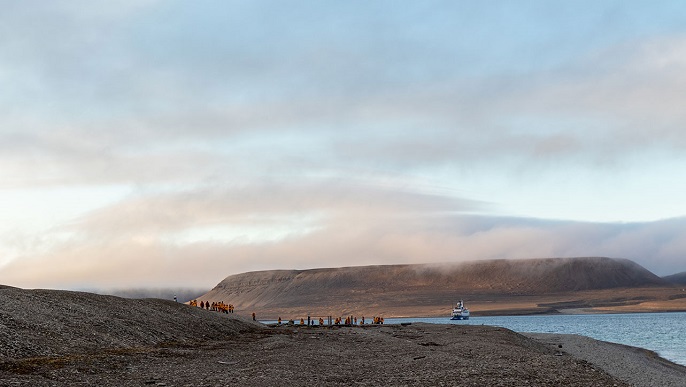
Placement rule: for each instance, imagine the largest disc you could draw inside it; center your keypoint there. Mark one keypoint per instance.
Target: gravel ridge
(36, 323)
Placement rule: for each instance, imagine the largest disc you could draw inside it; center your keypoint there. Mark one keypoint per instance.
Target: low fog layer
(180, 294)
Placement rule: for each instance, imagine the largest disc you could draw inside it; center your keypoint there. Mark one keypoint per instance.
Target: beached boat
(460, 312)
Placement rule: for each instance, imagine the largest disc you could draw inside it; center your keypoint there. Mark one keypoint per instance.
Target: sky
(150, 143)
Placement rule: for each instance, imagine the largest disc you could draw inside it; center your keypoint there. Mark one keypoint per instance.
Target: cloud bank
(199, 237)
(168, 143)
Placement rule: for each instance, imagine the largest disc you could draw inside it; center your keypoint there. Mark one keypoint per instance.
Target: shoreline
(637, 366)
(411, 304)
(565, 311)
(511, 313)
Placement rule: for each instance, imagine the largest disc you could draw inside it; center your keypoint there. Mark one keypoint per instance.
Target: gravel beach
(417, 355)
(57, 338)
(637, 366)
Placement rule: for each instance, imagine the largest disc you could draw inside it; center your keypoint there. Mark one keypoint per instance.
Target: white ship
(460, 312)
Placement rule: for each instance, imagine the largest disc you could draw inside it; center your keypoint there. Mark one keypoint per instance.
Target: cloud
(217, 228)
(139, 242)
(134, 263)
(259, 135)
(137, 95)
(267, 202)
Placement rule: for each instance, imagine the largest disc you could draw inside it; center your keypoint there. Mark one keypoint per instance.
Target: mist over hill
(394, 285)
(679, 278)
(182, 294)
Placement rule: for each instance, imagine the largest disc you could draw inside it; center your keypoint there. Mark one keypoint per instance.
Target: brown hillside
(384, 287)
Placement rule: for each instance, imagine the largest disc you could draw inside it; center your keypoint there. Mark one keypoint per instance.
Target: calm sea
(664, 333)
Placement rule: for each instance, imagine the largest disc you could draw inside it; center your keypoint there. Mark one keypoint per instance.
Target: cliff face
(420, 284)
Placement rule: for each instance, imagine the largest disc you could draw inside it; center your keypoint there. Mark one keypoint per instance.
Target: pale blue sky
(194, 140)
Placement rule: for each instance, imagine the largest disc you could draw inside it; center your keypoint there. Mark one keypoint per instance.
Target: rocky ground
(51, 338)
(39, 323)
(419, 354)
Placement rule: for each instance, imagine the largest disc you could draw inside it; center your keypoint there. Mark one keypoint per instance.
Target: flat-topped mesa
(428, 282)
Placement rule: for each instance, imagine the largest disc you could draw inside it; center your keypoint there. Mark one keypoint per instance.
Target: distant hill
(367, 287)
(678, 279)
(182, 294)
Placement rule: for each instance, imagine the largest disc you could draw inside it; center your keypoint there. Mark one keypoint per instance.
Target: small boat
(460, 312)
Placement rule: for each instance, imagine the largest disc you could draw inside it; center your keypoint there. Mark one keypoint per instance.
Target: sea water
(664, 333)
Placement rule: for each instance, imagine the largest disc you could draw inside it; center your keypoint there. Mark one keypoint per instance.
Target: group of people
(228, 308)
(349, 320)
(214, 306)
